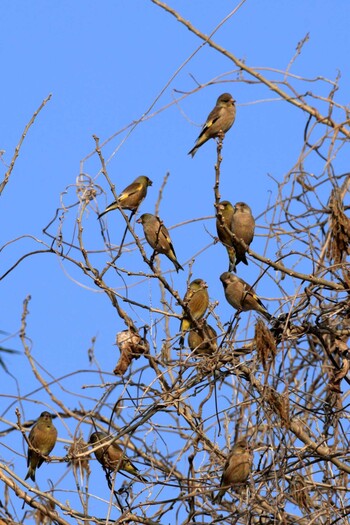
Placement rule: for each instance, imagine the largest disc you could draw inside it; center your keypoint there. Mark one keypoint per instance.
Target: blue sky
(104, 64)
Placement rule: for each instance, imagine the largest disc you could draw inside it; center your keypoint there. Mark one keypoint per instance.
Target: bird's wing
(133, 188)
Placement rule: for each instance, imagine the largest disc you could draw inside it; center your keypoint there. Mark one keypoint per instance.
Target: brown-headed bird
(237, 468)
(205, 344)
(243, 226)
(219, 120)
(241, 295)
(224, 216)
(131, 197)
(197, 300)
(112, 456)
(42, 437)
(158, 237)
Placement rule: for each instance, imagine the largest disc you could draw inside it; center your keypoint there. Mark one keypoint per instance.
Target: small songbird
(203, 345)
(197, 300)
(42, 437)
(241, 295)
(131, 197)
(226, 210)
(158, 237)
(219, 120)
(243, 226)
(112, 456)
(237, 468)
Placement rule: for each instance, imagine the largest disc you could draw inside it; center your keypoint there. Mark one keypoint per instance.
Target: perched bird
(243, 226)
(219, 120)
(42, 437)
(226, 211)
(241, 295)
(203, 345)
(197, 300)
(237, 467)
(112, 456)
(158, 237)
(131, 197)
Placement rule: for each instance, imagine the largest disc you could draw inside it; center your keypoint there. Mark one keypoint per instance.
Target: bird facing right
(237, 468)
(131, 197)
(219, 120)
(241, 295)
(43, 436)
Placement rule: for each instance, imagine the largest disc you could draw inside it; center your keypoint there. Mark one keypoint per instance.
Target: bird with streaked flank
(111, 455)
(197, 300)
(42, 437)
(237, 468)
(131, 197)
(219, 121)
(241, 295)
(158, 237)
(243, 226)
(205, 344)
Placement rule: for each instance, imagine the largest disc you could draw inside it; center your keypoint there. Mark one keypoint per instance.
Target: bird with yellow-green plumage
(42, 439)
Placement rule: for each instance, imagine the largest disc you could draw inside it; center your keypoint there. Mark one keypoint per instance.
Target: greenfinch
(237, 468)
(226, 211)
(219, 121)
(203, 345)
(243, 226)
(158, 237)
(42, 437)
(131, 197)
(197, 300)
(112, 456)
(241, 295)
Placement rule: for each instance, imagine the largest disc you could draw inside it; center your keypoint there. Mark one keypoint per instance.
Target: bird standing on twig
(237, 468)
(219, 121)
(111, 455)
(42, 437)
(131, 197)
(158, 237)
(241, 295)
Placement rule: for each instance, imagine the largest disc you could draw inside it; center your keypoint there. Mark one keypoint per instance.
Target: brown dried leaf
(131, 346)
(299, 491)
(334, 385)
(339, 245)
(78, 447)
(265, 344)
(41, 518)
